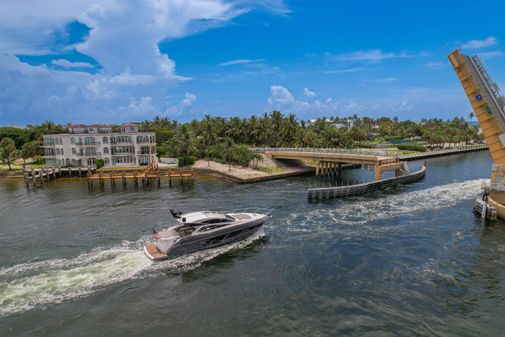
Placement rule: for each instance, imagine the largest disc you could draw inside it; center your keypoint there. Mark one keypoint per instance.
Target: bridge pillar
(318, 168)
(377, 172)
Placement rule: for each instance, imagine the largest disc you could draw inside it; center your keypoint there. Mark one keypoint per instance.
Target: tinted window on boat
(234, 234)
(215, 240)
(212, 221)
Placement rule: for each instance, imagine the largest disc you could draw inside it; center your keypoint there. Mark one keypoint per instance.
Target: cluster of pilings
(37, 177)
(328, 169)
(146, 178)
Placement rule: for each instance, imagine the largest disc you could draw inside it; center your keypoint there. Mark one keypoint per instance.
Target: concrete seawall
(441, 153)
(344, 191)
(218, 173)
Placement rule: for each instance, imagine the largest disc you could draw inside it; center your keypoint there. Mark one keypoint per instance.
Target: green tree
(8, 152)
(209, 135)
(29, 150)
(229, 144)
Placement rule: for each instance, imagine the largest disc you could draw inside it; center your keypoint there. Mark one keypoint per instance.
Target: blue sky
(115, 61)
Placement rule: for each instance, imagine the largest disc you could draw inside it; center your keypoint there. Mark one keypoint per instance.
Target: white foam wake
(366, 209)
(27, 285)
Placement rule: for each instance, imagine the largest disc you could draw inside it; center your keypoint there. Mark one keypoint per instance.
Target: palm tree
(229, 145)
(209, 135)
(184, 141)
(471, 115)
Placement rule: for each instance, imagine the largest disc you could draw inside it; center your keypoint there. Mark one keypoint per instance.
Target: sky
(114, 61)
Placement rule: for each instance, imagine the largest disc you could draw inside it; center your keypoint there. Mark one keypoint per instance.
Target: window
(105, 140)
(106, 150)
(106, 161)
(72, 140)
(74, 151)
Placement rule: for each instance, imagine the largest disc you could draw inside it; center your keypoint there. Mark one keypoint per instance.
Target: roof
(77, 126)
(129, 124)
(100, 125)
(200, 216)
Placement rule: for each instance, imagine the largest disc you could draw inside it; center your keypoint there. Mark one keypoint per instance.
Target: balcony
(87, 143)
(96, 154)
(117, 154)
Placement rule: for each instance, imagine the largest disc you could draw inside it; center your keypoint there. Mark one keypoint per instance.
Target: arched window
(106, 161)
(106, 150)
(105, 140)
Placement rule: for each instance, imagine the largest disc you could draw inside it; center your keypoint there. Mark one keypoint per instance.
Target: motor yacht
(202, 230)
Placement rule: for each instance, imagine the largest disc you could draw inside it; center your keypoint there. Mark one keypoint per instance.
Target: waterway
(413, 260)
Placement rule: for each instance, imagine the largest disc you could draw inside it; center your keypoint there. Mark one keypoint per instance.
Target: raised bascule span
(489, 107)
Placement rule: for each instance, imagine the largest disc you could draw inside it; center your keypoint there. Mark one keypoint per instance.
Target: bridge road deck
(329, 163)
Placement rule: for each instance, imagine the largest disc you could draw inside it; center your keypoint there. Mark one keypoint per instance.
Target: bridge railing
(323, 150)
(364, 151)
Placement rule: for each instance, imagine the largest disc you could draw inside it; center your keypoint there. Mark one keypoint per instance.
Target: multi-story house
(84, 144)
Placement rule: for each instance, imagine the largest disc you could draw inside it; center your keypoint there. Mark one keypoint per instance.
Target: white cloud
(185, 104)
(123, 39)
(343, 71)
(374, 55)
(280, 95)
(68, 64)
(188, 100)
(436, 65)
(142, 107)
(490, 54)
(239, 61)
(308, 93)
(382, 80)
(478, 44)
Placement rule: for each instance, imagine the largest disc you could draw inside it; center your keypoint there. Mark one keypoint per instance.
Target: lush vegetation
(228, 140)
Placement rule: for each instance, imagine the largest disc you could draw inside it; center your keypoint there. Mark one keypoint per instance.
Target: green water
(413, 260)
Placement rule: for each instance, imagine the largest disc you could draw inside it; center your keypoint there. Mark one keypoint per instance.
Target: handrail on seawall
(358, 189)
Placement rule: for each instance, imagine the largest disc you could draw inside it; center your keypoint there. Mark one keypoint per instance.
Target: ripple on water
(27, 285)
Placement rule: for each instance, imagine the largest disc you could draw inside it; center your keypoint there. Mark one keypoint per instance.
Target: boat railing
(260, 210)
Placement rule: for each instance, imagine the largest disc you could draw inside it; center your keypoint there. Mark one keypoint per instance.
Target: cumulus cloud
(68, 64)
(280, 95)
(124, 39)
(141, 107)
(478, 44)
(308, 93)
(184, 105)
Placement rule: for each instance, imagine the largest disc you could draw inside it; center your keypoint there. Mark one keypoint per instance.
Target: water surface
(412, 260)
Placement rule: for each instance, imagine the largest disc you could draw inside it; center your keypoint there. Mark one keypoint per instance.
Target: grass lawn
(270, 169)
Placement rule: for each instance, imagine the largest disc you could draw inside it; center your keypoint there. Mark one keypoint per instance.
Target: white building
(84, 144)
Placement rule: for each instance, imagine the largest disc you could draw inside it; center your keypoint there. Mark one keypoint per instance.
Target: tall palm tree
(209, 135)
(184, 141)
(229, 145)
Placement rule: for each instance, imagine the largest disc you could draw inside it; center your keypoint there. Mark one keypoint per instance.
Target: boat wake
(362, 210)
(27, 285)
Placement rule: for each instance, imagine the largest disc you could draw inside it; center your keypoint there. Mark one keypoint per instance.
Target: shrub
(99, 163)
(39, 160)
(411, 147)
(186, 161)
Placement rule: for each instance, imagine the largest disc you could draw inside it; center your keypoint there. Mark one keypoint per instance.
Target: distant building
(84, 144)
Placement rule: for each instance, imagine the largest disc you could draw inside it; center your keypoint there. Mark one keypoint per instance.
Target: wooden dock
(152, 175)
(37, 177)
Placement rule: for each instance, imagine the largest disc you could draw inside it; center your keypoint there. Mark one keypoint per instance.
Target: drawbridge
(489, 108)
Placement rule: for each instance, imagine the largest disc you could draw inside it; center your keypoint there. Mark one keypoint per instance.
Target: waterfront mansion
(83, 145)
